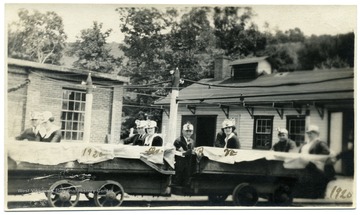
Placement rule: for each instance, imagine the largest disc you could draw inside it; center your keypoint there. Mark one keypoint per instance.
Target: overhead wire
(273, 85)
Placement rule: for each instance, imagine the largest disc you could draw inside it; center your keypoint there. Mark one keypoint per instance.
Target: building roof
(321, 85)
(247, 60)
(55, 68)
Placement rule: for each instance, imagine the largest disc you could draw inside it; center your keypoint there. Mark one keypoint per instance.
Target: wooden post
(173, 108)
(88, 109)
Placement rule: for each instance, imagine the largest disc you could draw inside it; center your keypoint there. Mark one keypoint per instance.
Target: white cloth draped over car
(53, 154)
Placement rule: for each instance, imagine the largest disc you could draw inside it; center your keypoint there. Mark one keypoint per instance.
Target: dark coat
(319, 148)
(136, 140)
(27, 134)
(220, 139)
(233, 143)
(156, 141)
(284, 146)
(180, 142)
(54, 137)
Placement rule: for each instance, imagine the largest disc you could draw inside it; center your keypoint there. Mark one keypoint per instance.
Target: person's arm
(57, 137)
(292, 146)
(323, 148)
(22, 136)
(129, 140)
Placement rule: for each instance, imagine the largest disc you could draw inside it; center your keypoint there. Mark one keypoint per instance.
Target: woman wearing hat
(152, 138)
(48, 132)
(315, 145)
(231, 140)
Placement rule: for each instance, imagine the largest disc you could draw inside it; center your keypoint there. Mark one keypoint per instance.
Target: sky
(311, 19)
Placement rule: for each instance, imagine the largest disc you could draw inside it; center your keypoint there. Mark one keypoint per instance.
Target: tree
(92, 53)
(326, 51)
(38, 37)
(145, 46)
(283, 57)
(193, 44)
(144, 43)
(235, 34)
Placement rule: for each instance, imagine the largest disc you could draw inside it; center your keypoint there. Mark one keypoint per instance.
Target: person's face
(187, 133)
(283, 137)
(140, 130)
(228, 130)
(151, 130)
(34, 122)
(312, 135)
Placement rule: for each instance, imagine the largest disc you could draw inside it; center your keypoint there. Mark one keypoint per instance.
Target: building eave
(55, 68)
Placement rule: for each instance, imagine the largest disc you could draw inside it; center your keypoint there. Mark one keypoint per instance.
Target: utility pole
(88, 109)
(173, 106)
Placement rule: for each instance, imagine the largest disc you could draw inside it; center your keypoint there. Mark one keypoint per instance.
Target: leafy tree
(92, 53)
(145, 47)
(283, 57)
(235, 34)
(327, 51)
(144, 43)
(193, 44)
(38, 37)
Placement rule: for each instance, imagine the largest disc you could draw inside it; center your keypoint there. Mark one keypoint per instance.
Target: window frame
(73, 114)
(269, 134)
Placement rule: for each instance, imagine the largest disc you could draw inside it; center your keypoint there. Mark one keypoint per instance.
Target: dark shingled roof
(318, 85)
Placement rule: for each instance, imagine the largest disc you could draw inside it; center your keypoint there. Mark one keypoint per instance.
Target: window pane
(68, 136)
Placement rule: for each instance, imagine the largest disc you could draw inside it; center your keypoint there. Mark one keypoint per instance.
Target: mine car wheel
(217, 198)
(282, 196)
(110, 194)
(63, 194)
(245, 195)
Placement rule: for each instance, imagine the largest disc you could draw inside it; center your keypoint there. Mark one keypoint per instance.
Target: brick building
(41, 87)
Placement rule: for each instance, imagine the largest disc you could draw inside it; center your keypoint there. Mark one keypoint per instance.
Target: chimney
(222, 69)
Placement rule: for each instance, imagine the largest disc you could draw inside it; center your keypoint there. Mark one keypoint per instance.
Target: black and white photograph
(143, 106)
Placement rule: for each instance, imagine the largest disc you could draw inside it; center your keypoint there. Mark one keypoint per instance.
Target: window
(72, 114)
(296, 128)
(244, 71)
(263, 126)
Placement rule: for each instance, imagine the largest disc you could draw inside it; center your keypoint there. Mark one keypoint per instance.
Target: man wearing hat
(285, 144)
(30, 133)
(152, 138)
(315, 145)
(139, 138)
(184, 144)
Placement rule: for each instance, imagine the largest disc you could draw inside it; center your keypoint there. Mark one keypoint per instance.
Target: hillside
(67, 61)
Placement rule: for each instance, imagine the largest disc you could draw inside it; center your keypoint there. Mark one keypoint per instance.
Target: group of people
(42, 128)
(226, 138)
(314, 145)
(146, 134)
